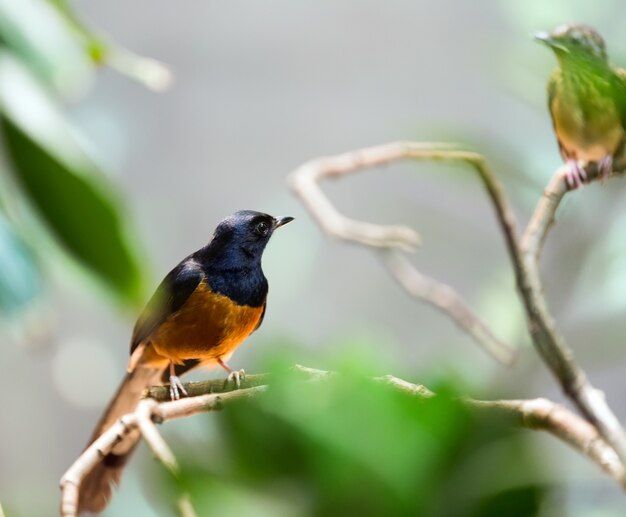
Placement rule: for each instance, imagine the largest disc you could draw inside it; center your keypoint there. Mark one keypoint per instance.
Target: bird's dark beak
(547, 39)
(281, 221)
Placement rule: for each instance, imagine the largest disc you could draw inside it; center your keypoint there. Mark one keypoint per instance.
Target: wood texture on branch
(550, 345)
(537, 414)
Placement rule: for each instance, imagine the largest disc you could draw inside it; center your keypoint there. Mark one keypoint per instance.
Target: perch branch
(548, 342)
(547, 339)
(538, 414)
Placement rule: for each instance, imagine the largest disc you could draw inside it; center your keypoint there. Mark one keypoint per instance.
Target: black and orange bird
(587, 101)
(200, 313)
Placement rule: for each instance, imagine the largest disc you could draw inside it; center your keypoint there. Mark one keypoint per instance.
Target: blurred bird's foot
(233, 376)
(605, 168)
(175, 387)
(236, 376)
(575, 174)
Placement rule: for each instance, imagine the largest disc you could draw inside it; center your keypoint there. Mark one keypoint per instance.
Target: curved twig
(304, 182)
(450, 302)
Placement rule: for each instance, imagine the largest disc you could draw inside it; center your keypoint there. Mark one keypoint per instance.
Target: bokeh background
(258, 88)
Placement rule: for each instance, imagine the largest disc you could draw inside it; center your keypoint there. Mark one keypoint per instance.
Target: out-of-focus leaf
(151, 73)
(346, 446)
(64, 184)
(19, 276)
(44, 39)
(522, 501)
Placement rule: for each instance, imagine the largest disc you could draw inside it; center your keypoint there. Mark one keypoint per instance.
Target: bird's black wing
(168, 298)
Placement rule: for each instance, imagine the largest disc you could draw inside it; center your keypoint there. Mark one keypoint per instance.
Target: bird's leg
(233, 375)
(575, 173)
(175, 384)
(605, 167)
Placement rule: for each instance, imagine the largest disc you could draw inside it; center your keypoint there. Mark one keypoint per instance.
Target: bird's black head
(241, 238)
(575, 42)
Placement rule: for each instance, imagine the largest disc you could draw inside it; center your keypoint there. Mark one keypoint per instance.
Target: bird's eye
(262, 228)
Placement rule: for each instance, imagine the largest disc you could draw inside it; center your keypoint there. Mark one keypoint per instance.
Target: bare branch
(304, 183)
(449, 301)
(145, 412)
(548, 342)
(538, 414)
(544, 415)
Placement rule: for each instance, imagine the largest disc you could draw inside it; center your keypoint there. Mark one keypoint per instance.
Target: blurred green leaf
(19, 277)
(64, 184)
(516, 502)
(46, 42)
(349, 446)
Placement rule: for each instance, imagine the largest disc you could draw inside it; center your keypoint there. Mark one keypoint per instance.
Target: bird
(587, 101)
(199, 314)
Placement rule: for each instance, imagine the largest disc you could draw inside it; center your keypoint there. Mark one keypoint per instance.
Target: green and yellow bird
(587, 101)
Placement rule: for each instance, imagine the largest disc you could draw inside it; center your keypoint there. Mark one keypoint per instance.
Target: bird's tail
(97, 486)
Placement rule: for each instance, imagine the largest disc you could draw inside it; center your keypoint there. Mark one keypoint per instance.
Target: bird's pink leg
(233, 375)
(175, 384)
(575, 174)
(605, 167)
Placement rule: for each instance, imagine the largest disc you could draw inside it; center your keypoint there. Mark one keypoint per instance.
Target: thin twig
(145, 412)
(544, 415)
(548, 342)
(304, 182)
(538, 414)
(449, 301)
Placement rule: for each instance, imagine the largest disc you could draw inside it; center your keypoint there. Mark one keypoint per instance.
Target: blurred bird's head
(575, 43)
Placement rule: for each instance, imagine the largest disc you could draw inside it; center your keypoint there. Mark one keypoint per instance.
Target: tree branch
(538, 414)
(548, 342)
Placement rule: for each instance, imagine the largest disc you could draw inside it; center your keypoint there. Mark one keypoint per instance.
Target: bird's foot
(175, 387)
(235, 376)
(605, 168)
(574, 174)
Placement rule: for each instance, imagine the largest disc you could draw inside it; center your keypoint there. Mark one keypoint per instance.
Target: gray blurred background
(261, 87)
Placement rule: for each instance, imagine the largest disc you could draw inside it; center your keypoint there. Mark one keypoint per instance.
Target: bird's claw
(175, 387)
(575, 174)
(236, 376)
(605, 168)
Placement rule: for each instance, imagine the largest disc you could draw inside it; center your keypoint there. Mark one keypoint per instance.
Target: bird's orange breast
(209, 326)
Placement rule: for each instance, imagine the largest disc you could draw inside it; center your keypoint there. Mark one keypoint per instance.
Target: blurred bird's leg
(175, 384)
(574, 173)
(605, 166)
(233, 375)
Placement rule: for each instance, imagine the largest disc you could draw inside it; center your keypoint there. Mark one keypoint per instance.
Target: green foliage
(44, 57)
(352, 446)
